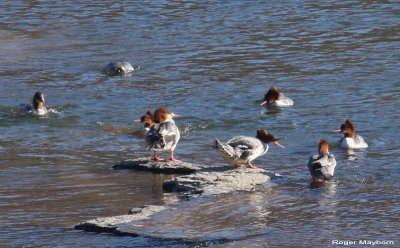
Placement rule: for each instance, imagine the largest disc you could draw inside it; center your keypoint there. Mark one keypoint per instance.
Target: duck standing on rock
(242, 149)
(275, 98)
(322, 165)
(164, 135)
(350, 140)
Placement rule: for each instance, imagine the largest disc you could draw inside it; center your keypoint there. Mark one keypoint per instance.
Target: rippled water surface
(210, 61)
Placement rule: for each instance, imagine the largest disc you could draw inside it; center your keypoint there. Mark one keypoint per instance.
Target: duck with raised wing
(243, 150)
(275, 98)
(322, 165)
(350, 140)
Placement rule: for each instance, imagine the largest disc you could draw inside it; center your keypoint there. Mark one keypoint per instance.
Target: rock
(215, 183)
(110, 224)
(167, 167)
(118, 68)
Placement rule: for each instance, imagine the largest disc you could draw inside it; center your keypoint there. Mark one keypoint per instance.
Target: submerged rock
(216, 183)
(118, 68)
(167, 167)
(111, 224)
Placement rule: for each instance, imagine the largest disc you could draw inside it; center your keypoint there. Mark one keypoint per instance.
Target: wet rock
(167, 167)
(118, 68)
(215, 183)
(111, 224)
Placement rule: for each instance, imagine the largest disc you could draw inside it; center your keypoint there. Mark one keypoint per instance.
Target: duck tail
(226, 150)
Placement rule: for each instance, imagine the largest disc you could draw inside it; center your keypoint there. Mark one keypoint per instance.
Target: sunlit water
(210, 61)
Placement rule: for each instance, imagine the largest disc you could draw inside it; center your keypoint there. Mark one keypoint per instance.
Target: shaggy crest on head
(147, 119)
(323, 147)
(348, 129)
(272, 95)
(266, 137)
(162, 114)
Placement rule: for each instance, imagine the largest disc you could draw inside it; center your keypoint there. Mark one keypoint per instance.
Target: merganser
(275, 98)
(322, 165)
(243, 149)
(350, 139)
(147, 119)
(38, 104)
(164, 135)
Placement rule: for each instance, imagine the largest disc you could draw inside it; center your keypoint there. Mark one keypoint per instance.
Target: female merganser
(275, 98)
(148, 120)
(322, 165)
(164, 135)
(38, 104)
(243, 149)
(350, 139)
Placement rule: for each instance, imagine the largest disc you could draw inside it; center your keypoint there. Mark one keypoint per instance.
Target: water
(209, 61)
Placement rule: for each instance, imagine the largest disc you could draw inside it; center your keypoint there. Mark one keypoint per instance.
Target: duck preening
(350, 140)
(275, 98)
(243, 150)
(322, 165)
(163, 134)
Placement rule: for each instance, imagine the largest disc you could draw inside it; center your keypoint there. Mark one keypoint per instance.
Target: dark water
(209, 61)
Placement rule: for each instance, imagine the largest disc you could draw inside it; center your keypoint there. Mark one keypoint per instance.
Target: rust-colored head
(147, 119)
(162, 114)
(323, 147)
(348, 129)
(271, 96)
(266, 137)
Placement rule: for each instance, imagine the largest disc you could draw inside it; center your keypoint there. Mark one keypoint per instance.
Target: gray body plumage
(118, 68)
(322, 167)
(163, 136)
(241, 149)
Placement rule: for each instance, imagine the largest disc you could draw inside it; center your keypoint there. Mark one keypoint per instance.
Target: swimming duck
(164, 135)
(322, 165)
(38, 104)
(243, 149)
(350, 140)
(275, 98)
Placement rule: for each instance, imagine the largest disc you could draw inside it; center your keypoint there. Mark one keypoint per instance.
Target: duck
(350, 140)
(147, 119)
(163, 135)
(322, 165)
(38, 105)
(243, 149)
(275, 98)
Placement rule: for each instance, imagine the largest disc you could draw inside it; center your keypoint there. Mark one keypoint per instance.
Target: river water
(209, 61)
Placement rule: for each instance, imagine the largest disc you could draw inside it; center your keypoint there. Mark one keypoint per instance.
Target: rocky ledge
(111, 224)
(216, 183)
(167, 166)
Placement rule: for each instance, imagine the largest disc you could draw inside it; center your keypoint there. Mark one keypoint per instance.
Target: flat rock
(167, 167)
(110, 224)
(216, 183)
